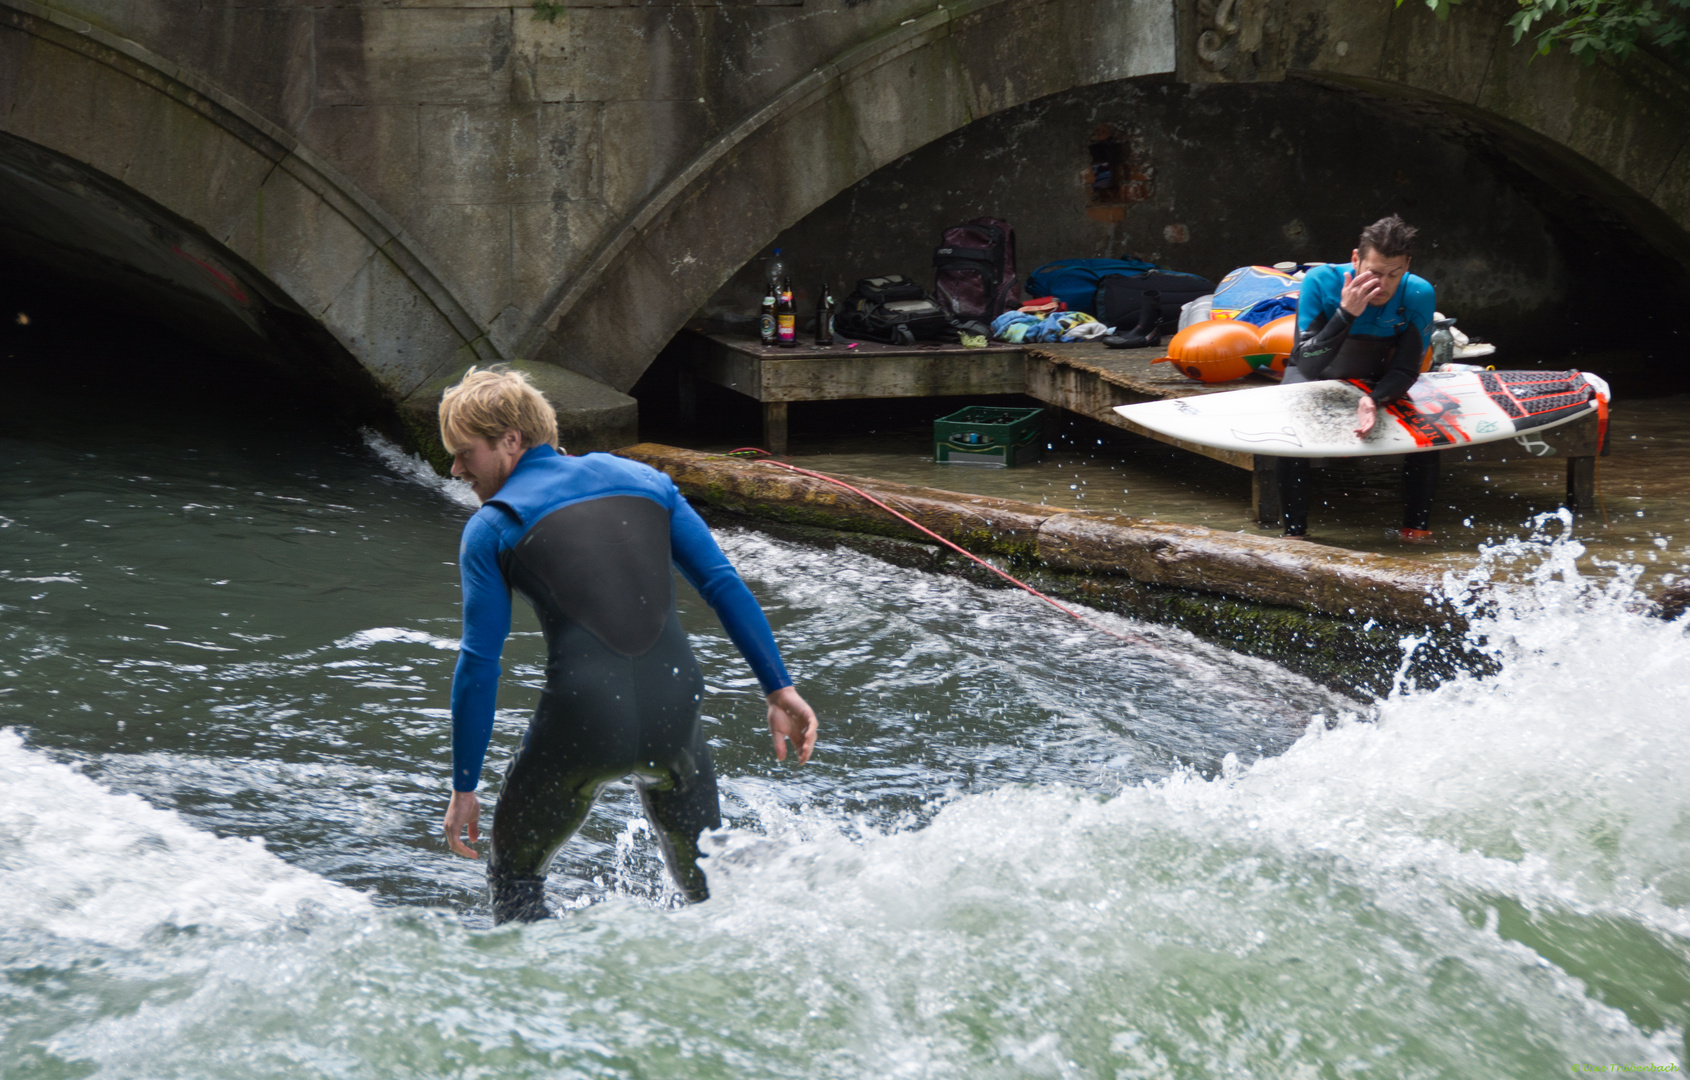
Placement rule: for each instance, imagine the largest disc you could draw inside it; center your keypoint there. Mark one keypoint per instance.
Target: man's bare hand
(1360, 288)
(791, 720)
(463, 812)
(1367, 413)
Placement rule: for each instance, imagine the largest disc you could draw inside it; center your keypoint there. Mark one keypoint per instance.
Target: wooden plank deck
(1085, 378)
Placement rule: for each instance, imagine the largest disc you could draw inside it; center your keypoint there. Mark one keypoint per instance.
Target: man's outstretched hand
(1367, 412)
(791, 720)
(464, 811)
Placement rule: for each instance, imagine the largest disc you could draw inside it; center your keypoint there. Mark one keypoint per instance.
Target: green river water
(1023, 848)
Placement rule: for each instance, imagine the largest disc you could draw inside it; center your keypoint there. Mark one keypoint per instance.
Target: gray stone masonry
(446, 182)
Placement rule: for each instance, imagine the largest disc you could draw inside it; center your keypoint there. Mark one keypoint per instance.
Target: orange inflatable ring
(1214, 350)
(1278, 337)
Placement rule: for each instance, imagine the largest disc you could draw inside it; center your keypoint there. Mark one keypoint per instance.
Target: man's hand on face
(1361, 287)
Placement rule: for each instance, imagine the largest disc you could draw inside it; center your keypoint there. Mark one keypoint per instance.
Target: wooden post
(774, 427)
(1265, 499)
(1581, 484)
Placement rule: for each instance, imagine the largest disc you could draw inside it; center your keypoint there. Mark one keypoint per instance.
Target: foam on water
(418, 471)
(84, 863)
(1485, 878)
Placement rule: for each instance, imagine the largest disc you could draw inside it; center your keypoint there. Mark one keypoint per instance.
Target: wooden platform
(1085, 378)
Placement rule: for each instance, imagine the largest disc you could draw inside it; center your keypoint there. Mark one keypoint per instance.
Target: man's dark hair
(1390, 237)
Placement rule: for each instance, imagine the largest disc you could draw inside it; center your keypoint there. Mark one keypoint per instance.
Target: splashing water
(1023, 850)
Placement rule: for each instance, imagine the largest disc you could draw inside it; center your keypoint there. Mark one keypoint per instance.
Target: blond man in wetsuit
(589, 542)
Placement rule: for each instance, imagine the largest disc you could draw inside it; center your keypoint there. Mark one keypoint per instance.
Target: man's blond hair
(486, 404)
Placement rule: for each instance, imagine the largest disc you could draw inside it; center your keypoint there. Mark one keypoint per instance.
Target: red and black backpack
(975, 270)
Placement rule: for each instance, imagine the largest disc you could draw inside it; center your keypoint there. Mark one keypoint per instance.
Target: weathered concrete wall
(443, 183)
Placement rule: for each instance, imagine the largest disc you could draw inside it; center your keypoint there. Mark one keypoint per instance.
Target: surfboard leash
(766, 458)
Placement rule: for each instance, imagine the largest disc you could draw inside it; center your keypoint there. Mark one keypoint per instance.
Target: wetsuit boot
(518, 899)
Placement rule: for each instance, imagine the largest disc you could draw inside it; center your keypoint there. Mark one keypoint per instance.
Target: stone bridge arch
(115, 153)
(654, 150)
(1615, 132)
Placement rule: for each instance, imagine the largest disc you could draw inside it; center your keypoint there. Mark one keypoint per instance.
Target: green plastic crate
(989, 435)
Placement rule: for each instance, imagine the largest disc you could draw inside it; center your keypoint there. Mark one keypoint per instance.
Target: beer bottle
(767, 331)
(786, 316)
(824, 316)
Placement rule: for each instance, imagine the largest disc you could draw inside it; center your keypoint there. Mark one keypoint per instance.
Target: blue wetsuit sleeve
(706, 569)
(475, 682)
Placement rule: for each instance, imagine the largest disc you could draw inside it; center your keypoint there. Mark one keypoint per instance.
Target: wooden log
(1267, 569)
(979, 523)
(1271, 570)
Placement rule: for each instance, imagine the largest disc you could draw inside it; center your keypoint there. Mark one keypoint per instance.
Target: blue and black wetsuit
(1383, 347)
(588, 542)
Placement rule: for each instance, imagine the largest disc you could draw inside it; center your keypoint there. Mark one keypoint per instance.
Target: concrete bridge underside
(435, 186)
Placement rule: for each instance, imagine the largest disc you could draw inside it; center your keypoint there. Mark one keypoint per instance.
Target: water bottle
(774, 272)
(1443, 343)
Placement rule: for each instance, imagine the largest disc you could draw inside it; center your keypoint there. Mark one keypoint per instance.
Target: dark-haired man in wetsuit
(588, 542)
(1366, 319)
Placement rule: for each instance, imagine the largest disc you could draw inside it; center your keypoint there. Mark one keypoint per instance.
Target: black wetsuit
(588, 542)
(1382, 347)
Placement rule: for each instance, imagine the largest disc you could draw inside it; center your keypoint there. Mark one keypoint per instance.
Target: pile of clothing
(1018, 327)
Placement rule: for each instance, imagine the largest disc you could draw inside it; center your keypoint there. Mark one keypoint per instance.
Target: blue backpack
(1075, 281)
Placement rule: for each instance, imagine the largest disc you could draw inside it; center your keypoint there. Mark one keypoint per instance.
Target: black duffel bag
(1120, 298)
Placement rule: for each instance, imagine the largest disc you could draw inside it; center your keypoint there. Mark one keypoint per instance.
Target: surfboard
(1317, 419)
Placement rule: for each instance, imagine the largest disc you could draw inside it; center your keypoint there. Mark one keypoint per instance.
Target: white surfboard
(1317, 419)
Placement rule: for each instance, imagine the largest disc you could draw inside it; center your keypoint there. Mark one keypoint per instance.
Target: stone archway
(866, 107)
(196, 189)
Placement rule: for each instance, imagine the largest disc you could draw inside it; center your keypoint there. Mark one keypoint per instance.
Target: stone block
(1015, 51)
(410, 55)
(470, 245)
(799, 161)
(623, 321)
(549, 243)
(616, 53)
(258, 54)
(298, 241)
(375, 147)
(644, 143)
(1447, 57)
(508, 153)
(907, 97)
(590, 415)
(393, 329)
(198, 169)
(83, 109)
(1630, 129)
(1323, 37)
(722, 219)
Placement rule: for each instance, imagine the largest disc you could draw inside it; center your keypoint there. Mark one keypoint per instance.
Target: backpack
(891, 309)
(1075, 281)
(1120, 298)
(975, 270)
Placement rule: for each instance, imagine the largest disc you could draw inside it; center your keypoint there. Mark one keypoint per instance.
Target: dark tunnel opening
(114, 312)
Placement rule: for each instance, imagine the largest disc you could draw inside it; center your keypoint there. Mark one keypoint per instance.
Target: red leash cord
(768, 459)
